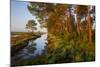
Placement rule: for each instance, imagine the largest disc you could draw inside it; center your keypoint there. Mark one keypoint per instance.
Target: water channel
(34, 47)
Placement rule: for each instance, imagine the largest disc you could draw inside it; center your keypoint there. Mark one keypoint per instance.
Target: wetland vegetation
(69, 35)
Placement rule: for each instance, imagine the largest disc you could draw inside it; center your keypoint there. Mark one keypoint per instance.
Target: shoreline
(21, 44)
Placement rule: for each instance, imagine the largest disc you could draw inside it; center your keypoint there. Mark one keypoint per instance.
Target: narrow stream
(40, 44)
(34, 47)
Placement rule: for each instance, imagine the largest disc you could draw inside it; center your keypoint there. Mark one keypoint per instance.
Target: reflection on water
(34, 47)
(40, 44)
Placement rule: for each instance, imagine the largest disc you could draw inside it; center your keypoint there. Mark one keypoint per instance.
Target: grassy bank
(20, 40)
(62, 48)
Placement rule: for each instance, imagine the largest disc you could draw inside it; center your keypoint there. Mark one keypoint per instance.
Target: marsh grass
(64, 49)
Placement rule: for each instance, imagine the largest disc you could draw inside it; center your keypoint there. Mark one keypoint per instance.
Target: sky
(19, 16)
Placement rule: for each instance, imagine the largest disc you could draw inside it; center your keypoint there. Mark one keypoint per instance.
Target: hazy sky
(19, 15)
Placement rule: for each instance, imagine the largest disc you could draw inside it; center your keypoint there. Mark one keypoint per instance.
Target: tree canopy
(31, 25)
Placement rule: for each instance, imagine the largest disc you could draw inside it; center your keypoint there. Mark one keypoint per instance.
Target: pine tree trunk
(89, 26)
(78, 25)
(68, 24)
(70, 29)
(78, 20)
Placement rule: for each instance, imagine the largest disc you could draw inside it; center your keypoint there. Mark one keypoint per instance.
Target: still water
(34, 47)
